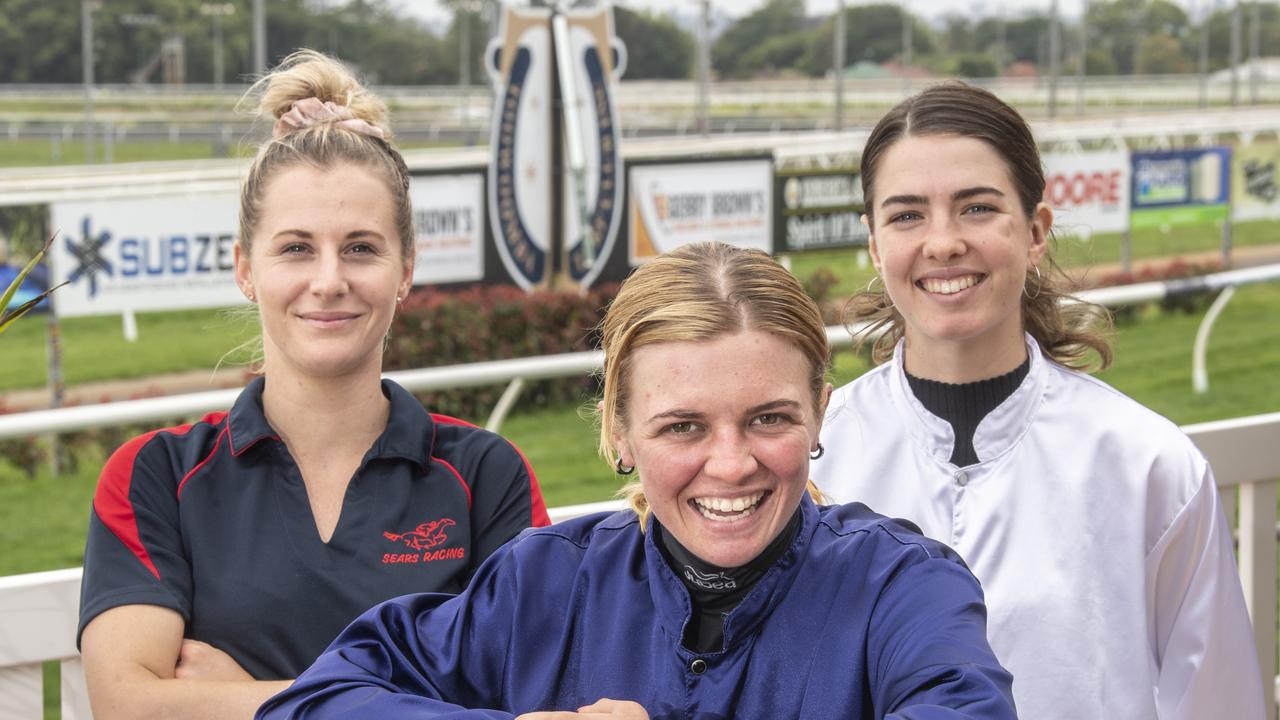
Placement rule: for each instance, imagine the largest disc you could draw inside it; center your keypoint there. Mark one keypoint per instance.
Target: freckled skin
(729, 417)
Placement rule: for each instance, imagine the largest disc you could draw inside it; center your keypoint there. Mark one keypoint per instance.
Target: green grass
(1153, 359)
(33, 153)
(1152, 242)
(94, 348)
(43, 523)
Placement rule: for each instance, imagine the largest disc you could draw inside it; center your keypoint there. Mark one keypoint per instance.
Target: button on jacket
(212, 520)
(1094, 526)
(859, 618)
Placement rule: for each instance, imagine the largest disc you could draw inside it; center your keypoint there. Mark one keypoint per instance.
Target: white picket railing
(39, 612)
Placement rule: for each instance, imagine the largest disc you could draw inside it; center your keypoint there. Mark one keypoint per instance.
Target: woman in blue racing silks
(725, 591)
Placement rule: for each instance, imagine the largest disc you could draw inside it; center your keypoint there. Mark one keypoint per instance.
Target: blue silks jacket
(859, 618)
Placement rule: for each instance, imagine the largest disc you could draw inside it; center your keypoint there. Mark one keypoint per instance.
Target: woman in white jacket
(1093, 523)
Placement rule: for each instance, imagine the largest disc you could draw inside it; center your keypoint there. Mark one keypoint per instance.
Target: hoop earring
(817, 453)
(1038, 285)
(621, 469)
(871, 282)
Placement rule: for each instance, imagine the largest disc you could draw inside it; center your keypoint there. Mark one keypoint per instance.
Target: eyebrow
(963, 194)
(683, 414)
(306, 235)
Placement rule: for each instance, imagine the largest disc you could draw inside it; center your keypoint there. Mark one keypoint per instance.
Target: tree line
(1125, 37)
(40, 40)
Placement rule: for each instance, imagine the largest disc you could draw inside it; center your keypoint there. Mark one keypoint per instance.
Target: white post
(1199, 373)
(130, 321)
(1258, 575)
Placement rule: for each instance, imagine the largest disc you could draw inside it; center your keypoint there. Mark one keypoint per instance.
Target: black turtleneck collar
(965, 404)
(714, 590)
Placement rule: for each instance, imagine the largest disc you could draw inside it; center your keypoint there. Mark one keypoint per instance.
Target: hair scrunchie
(309, 112)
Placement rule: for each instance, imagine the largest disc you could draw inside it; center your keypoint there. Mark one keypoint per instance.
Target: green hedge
(436, 328)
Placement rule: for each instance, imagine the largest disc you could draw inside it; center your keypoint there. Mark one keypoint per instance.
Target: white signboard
(1089, 192)
(448, 223)
(672, 205)
(166, 253)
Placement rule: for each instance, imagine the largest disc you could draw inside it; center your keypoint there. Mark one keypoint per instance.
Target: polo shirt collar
(247, 423)
(409, 434)
(410, 431)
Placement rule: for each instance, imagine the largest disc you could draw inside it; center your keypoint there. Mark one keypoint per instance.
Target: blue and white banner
(598, 62)
(520, 171)
(144, 254)
(1180, 187)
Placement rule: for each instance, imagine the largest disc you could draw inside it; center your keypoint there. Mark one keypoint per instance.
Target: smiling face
(720, 432)
(954, 244)
(326, 268)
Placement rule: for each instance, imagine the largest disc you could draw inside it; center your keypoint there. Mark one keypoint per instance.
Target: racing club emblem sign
(592, 212)
(538, 238)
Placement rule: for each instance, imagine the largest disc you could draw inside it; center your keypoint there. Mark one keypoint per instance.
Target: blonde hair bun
(310, 74)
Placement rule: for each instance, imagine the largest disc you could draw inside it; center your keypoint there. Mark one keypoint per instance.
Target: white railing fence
(39, 612)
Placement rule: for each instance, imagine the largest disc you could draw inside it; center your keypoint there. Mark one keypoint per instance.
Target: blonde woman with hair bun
(223, 556)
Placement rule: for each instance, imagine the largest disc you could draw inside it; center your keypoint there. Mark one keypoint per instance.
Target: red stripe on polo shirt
(538, 506)
(226, 432)
(111, 500)
(457, 475)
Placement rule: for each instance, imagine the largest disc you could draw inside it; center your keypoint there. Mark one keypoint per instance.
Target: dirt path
(113, 390)
(200, 380)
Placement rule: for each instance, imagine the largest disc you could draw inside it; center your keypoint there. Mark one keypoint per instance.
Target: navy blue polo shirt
(212, 520)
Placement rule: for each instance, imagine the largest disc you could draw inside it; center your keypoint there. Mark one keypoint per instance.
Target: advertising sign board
(144, 254)
(1256, 179)
(819, 209)
(1180, 187)
(674, 204)
(448, 223)
(1089, 192)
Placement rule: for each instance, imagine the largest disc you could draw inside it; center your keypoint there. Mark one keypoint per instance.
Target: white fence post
(20, 692)
(75, 696)
(1258, 573)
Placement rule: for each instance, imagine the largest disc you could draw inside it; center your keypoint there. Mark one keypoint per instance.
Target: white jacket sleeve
(1202, 641)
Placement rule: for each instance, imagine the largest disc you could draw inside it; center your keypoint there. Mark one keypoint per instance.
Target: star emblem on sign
(88, 255)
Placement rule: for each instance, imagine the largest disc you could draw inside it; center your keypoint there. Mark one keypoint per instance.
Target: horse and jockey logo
(424, 537)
